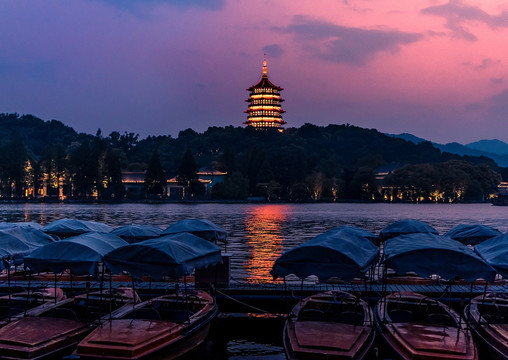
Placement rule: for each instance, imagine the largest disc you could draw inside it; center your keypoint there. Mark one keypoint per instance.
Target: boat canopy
(12, 249)
(406, 226)
(203, 228)
(173, 255)
(66, 227)
(32, 237)
(22, 224)
(430, 254)
(80, 254)
(135, 233)
(495, 252)
(362, 232)
(341, 252)
(472, 234)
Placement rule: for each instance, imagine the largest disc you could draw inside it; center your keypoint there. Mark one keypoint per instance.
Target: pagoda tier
(264, 109)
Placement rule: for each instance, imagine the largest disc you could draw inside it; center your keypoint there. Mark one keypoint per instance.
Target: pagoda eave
(249, 122)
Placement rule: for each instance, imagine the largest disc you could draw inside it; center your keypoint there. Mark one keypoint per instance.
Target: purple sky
(436, 69)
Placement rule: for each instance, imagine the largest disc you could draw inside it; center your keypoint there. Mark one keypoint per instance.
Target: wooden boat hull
(52, 330)
(418, 328)
(40, 337)
(132, 338)
(328, 337)
(487, 317)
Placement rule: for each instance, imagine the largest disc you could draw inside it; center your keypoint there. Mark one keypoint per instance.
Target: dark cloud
(487, 63)
(342, 44)
(433, 33)
(133, 5)
(274, 50)
(458, 14)
(496, 107)
(497, 81)
(498, 104)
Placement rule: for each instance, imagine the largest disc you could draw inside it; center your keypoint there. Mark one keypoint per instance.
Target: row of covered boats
(110, 323)
(339, 325)
(114, 323)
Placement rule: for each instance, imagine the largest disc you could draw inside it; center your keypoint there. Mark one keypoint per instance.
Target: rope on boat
(242, 303)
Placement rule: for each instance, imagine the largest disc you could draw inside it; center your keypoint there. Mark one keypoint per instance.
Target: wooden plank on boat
(327, 334)
(34, 331)
(131, 333)
(432, 338)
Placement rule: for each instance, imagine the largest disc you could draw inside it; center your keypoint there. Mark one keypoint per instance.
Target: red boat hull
(327, 336)
(418, 328)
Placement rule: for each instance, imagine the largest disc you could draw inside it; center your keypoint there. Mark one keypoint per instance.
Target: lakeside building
(134, 183)
(265, 111)
(384, 171)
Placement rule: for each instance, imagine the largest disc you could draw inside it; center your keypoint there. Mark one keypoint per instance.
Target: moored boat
(488, 319)
(329, 325)
(54, 329)
(333, 324)
(172, 324)
(417, 327)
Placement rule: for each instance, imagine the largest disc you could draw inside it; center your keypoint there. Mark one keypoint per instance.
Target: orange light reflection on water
(263, 225)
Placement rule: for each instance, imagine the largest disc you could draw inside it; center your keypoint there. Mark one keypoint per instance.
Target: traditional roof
(210, 172)
(387, 169)
(264, 82)
(133, 177)
(174, 180)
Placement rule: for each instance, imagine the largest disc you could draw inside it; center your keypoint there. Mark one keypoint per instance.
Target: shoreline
(209, 201)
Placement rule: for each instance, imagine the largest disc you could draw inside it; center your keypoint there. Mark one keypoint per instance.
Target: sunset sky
(433, 68)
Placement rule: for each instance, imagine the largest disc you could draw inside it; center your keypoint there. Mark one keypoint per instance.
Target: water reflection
(258, 233)
(264, 237)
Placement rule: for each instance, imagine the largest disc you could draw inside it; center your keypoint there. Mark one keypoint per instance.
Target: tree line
(310, 163)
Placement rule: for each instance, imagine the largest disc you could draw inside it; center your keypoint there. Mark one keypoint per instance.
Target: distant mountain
(408, 137)
(493, 146)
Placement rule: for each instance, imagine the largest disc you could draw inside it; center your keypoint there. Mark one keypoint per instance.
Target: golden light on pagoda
(264, 109)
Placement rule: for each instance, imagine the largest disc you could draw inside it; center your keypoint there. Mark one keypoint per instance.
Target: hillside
(493, 149)
(35, 133)
(314, 148)
(493, 146)
(319, 162)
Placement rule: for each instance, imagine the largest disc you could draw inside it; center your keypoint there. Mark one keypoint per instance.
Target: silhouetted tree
(13, 166)
(187, 170)
(54, 166)
(155, 177)
(112, 174)
(85, 169)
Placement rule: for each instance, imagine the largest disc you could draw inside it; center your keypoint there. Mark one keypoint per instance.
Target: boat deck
(275, 298)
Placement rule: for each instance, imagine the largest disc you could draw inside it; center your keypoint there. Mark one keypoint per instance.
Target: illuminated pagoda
(264, 108)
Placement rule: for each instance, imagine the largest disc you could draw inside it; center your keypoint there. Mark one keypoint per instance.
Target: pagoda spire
(265, 71)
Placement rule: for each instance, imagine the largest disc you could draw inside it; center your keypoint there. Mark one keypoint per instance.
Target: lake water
(259, 233)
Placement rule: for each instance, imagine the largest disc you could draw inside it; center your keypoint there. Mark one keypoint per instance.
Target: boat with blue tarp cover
(333, 324)
(200, 227)
(415, 326)
(67, 321)
(173, 323)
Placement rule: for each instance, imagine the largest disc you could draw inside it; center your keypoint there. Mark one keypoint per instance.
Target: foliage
(155, 177)
(451, 181)
(312, 162)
